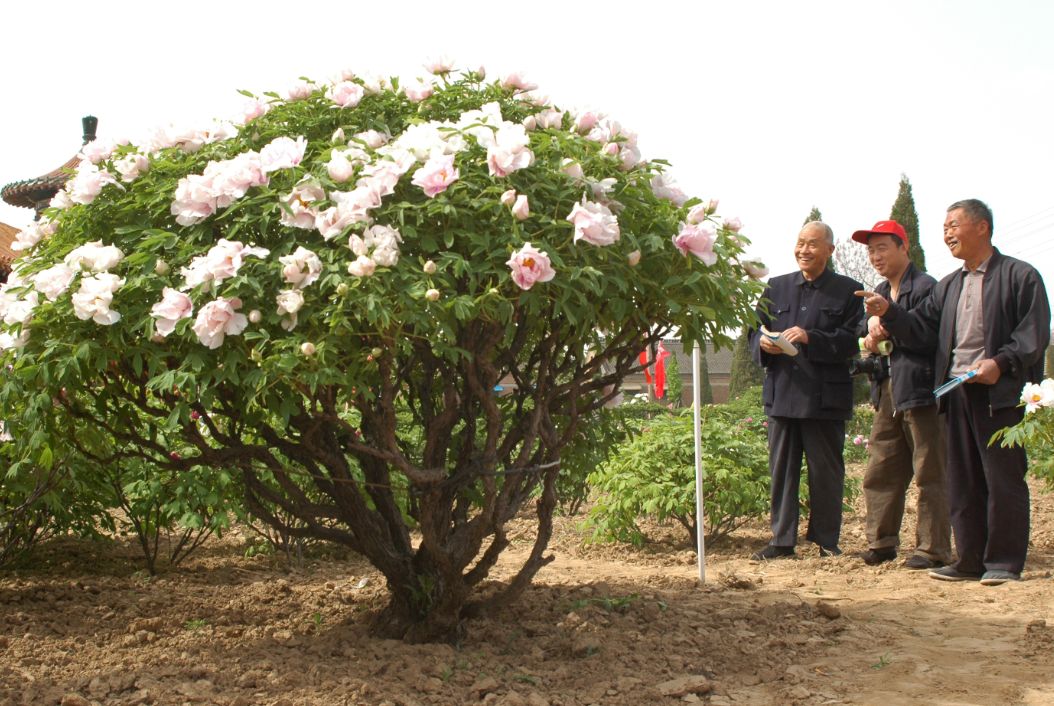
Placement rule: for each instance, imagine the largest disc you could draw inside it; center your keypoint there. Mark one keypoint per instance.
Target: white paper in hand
(777, 338)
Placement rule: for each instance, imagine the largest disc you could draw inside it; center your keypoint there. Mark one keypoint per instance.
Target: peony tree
(386, 305)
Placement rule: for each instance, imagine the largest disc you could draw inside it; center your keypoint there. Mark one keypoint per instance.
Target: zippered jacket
(1016, 316)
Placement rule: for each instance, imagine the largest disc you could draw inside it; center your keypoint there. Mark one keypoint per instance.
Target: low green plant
(654, 475)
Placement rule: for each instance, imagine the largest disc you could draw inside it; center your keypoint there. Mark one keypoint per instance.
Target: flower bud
(342, 288)
(711, 206)
(633, 258)
(610, 148)
(195, 415)
(430, 268)
(161, 267)
(307, 348)
(432, 295)
(174, 455)
(508, 198)
(255, 316)
(256, 356)
(338, 136)
(530, 123)
(376, 352)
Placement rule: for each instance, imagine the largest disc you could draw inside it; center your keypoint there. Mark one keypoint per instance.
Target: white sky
(773, 107)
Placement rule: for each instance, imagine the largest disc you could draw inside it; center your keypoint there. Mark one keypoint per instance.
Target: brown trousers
(905, 446)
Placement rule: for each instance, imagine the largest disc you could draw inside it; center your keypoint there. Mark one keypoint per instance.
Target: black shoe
(950, 573)
(830, 551)
(996, 577)
(918, 562)
(874, 557)
(773, 552)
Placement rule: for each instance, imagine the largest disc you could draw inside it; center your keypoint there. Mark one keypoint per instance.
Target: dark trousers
(904, 445)
(987, 493)
(822, 441)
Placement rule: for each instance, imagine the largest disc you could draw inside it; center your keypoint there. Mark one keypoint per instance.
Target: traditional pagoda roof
(7, 236)
(37, 193)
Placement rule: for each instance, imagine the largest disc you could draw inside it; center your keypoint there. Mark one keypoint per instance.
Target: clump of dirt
(603, 624)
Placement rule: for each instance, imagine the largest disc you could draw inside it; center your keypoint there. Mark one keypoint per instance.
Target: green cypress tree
(706, 391)
(674, 385)
(905, 214)
(745, 372)
(814, 215)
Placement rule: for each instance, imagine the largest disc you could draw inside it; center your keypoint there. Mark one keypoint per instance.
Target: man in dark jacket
(907, 437)
(991, 319)
(808, 392)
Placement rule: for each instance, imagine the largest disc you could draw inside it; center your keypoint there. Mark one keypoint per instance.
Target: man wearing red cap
(907, 438)
(991, 322)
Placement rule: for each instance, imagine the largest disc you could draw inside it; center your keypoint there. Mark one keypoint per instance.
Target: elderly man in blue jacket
(990, 320)
(808, 392)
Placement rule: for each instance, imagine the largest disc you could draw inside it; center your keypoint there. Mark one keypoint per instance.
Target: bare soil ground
(607, 625)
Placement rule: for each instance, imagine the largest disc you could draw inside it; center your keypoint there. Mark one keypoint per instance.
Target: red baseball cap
(882, 228)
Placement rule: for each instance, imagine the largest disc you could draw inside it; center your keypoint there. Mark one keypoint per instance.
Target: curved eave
(31, 192)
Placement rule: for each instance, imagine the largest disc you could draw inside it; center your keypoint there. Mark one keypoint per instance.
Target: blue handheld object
(953, 383)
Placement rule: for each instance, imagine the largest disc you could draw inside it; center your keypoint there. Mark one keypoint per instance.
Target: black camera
(874, 366)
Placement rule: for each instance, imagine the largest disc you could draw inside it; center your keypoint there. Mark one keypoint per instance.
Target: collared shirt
(807, 291)
(969, 321)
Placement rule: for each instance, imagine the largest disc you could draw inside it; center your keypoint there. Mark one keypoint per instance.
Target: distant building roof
(7, 235)
(37, 192)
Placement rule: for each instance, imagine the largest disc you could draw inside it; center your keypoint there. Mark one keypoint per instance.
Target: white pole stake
(697, 405)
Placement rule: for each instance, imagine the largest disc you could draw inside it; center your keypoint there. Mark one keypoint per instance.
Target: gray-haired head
(976, 210)
(828, 234)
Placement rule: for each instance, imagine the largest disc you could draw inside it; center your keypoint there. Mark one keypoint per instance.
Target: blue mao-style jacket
(816, 383)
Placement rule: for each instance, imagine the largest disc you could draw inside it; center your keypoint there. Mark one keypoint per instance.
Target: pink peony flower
(221, 262)
(54, 281)
(440, 65)
(282, 153)
(550, 118)
(363, 266)
(174, 305)
(372, 138)
(508, 198)
(521, 209)
(131, 166)
(664, 187)
(218, 319)
(97, 151)
(94, 256)
(508, 150)
(299, 91)
(93, 299)
(530, 265)
(857, 440)
(755, 268)
(733, 224)
(585, 121)
(253, 109)
(571, 168)
(299, 200)
(289, 302)
(518, 82)
(416, 91)
(594, 223)
(346, 94)
(302, 268)
(698, 240)
(436, 175)
(88, 182)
